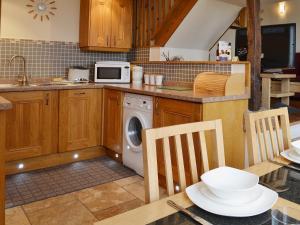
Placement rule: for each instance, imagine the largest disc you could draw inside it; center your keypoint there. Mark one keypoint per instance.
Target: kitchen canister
(137, 75)
(147, 78)
(152, 79)
(159, 79)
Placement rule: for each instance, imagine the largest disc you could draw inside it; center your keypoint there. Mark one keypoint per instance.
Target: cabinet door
(100, 23)
(170, 112)
(121, 24)
(79, 119)
(31, 125)
(112, 129)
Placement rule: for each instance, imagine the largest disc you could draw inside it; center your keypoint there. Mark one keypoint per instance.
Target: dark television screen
(278, 46)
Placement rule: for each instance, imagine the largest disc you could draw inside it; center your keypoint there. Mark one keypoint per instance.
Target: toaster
(79, 75)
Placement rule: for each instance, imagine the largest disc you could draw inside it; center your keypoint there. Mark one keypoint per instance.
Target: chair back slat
(220, 143)
(180, 162)
(268, 134)
(272, 134)
(204, 151)
(192, 158)
(266, 139)
(178, 132)
(168, 164)
(278, 134)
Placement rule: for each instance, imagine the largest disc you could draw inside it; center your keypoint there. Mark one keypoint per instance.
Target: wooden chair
(268, 134)
(150, 136)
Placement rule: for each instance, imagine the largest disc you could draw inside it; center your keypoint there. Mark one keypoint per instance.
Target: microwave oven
(112, 72)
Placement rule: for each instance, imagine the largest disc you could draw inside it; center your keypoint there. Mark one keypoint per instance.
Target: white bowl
(230, 183)
(296, 146)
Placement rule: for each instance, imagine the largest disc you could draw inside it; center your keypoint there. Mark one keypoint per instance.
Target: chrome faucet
(24, 80)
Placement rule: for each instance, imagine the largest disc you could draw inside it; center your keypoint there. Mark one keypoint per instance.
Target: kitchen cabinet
(169, 112)
(106, 25)
(113, 114)
(31, 124)
(79, 119)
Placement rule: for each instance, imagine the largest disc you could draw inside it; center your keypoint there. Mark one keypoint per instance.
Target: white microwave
(112, 72)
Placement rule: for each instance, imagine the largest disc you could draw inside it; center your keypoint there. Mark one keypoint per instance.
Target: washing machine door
(133, 131)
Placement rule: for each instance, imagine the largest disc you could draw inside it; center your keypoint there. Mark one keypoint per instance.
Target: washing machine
(137, 115)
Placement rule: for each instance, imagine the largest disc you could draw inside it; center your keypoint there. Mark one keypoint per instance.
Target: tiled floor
(45, 183)
(82, 207)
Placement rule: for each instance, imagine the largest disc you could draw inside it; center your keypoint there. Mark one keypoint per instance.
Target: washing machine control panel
(138, 102)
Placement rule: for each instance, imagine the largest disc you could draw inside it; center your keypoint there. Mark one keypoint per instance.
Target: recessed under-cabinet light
(177, 188)
(117, 155)
(75, 156)
(21, 166)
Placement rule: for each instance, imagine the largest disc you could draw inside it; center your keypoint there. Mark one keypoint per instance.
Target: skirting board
(53, 160)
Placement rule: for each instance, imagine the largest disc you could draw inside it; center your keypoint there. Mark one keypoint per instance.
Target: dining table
(160, 213)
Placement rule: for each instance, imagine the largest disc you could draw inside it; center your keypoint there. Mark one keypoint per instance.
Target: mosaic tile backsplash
(52, 59)
(48, 58)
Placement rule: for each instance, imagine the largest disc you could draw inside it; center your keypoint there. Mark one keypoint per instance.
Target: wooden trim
(53, 160)
(172, 21)
(102, 49)
(191, 62)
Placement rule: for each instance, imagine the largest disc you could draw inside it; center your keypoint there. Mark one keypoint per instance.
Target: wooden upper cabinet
(100, 23)
(79, 119)
(106, 25)
(113, 114)
(31, 125)
(122, 24)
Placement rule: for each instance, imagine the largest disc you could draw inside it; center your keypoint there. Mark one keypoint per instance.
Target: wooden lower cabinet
(169, 112)
(80, 113)
(113, 120)
(31, 125)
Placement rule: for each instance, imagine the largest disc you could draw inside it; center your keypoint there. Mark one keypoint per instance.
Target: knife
(188, 213)
(285, 165)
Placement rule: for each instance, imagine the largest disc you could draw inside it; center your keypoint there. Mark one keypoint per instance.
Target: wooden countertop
(160, 209)
(5, 104)
(173, 94)
(144, 90)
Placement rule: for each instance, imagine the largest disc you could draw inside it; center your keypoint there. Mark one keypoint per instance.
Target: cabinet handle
(115, 41)
(107, 41)
(156, 104)
(80, 93)
(47, 99)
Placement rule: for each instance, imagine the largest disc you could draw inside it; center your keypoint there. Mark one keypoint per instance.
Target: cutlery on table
(188, 213)
(285, 165)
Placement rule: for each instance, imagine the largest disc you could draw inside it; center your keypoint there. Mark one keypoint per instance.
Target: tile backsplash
(52, 59)
(48, 58)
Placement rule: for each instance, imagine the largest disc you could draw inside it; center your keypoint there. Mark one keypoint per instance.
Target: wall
(16, 23)
(204, 25)
(48, 58)
(270, 15)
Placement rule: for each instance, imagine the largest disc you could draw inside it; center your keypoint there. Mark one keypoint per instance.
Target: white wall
(204, 24)
(271, 16)
(17, 23)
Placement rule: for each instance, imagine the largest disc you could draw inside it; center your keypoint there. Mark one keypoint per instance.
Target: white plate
(291, 155)
(296, 146)
(200, 196)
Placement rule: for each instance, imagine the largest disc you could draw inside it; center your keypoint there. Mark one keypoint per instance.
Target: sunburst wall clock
(41, 9)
